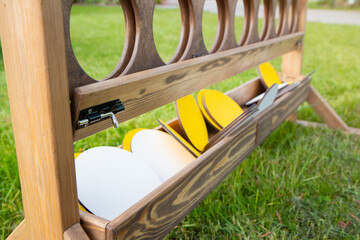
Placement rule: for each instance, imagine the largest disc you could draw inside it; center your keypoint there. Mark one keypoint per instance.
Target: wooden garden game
(50, 95)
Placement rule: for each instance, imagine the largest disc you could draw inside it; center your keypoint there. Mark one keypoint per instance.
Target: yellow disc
(221, 108)
(76, 155)
(201, 106)
(180, 139)
(82, 208)
(192, 122)
(268, 74)
(126, 145)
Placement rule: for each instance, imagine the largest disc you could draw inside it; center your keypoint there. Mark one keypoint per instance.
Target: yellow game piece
(201, 106)
(268, 75)
(192, 122)
(82, 208)
(221, 108)
(180, 139)
(126, 145)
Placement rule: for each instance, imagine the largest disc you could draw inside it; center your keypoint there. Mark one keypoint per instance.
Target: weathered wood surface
(33, 44)
(75, 232)
(140, 53)
(271, 118)
(94, 226)
(142, 92)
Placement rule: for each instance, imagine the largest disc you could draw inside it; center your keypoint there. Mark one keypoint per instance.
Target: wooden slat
(155, 215)
(228, 23)
(33, 43)
(272, 118)
(75, 232)
(147, 90)
(20, 232)
(94, 226)
(144, 55)
(195, 45)
(305, 123)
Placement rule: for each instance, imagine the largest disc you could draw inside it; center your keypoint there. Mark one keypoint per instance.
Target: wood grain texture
(323, 109)
(94, 226)
(283, 25)
(269, 31)
(292, 61)
(155, 215)
(246, 91)
(195, 46)
(185, 30)
(250, 29)
(75, 232)
(144, 55)
(142, 92)
(285, 106)
(20, 232)
(228, 9)
(32, 37)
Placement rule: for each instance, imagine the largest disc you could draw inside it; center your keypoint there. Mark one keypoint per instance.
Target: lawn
(300, 183)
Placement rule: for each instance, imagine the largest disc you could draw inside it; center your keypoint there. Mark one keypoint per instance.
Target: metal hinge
(100, 112)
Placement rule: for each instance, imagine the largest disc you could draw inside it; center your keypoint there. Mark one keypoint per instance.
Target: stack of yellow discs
(218, 108)
(192, 122)
(268, 75)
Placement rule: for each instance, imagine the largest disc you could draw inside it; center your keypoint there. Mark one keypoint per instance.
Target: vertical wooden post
(32, 36)
(292, 61)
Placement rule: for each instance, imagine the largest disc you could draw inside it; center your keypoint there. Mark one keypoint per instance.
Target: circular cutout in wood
(212, 25)
(170, 39)
(239, 20)
(98, 54)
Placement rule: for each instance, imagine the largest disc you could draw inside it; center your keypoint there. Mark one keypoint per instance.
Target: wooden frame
(43, 75)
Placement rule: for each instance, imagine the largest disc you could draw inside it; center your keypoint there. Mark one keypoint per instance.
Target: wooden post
(292, 61)
(32, 35)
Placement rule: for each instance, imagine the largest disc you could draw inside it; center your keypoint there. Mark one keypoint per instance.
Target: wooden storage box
(166, 206)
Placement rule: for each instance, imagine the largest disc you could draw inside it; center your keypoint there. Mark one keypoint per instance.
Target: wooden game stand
(43, 75)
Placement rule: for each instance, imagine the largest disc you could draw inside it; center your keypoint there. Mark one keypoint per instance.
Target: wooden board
(32, 38)
(147, 90)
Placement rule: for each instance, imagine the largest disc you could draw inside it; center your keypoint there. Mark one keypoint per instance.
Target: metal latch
(100, 112)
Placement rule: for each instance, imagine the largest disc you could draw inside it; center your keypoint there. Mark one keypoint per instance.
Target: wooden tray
(157, 213)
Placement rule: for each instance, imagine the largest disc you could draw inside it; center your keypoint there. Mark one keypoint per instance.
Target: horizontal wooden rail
(149, 89)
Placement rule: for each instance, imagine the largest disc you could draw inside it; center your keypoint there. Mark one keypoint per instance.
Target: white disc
(110, 180)
(162, 151)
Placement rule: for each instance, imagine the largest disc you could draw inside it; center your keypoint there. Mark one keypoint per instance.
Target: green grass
(309, 177)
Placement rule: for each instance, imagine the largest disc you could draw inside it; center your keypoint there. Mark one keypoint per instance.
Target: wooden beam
(75, 232)
(32, 37)
(292, 61)
(147, 90)
(350, 130)
(323, 109)
(20, 232)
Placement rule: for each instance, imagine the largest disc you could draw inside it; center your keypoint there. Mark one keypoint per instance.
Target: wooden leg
(75, 232)
(19, 233)
(323, 109)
